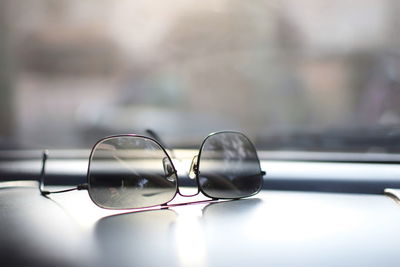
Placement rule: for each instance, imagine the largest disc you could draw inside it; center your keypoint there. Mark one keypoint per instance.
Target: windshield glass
(292, 75)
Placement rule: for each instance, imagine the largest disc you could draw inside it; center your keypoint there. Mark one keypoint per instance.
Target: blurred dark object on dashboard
(378, 139)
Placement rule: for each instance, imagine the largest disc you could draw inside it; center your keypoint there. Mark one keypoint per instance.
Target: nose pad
(193, 172)
(169, 171)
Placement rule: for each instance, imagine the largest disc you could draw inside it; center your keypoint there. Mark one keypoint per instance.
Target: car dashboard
(309, 213)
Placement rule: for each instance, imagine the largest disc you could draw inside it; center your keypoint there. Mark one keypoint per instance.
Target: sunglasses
(133, 171)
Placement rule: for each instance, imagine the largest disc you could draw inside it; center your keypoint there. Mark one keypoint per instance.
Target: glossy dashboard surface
(273, 228)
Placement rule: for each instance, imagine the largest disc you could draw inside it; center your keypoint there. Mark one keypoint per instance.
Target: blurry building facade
(77, 70)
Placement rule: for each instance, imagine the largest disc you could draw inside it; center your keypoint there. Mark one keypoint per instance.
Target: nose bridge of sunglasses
(193, 171)
(169, 171)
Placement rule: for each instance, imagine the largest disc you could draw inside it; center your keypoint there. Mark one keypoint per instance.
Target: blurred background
(293, 75)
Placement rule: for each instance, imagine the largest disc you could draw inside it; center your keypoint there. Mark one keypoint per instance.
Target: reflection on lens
(130, 172)
(229, 166)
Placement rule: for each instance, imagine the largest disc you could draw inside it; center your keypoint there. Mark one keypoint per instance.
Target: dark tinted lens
(229, 166)
(130, 172)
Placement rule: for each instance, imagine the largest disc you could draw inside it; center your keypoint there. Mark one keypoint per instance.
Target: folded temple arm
(43, 174)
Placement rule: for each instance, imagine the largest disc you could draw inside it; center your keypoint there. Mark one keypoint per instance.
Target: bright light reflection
(190, 237)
